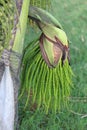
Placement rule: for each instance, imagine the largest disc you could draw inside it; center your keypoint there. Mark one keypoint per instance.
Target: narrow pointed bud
(41, 15)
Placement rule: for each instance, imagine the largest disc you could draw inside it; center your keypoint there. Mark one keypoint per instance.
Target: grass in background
(73, 16)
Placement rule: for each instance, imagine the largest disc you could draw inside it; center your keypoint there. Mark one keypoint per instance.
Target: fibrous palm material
(9, 65)
(46, 71)
(45, 4)
(6, 23)
(8, 27)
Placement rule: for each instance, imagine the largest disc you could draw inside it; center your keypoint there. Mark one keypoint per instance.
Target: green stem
(21, 27)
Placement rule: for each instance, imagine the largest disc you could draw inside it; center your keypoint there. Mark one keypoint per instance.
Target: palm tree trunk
(14, 69)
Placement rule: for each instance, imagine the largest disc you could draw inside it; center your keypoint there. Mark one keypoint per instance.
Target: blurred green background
(72, 14)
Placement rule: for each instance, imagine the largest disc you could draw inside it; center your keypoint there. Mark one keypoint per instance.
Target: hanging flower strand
(46, 72)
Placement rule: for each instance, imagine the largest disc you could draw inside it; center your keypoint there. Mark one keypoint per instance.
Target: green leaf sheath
(21, 27)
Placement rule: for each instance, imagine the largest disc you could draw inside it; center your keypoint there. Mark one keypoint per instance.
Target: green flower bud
(53, 41)
(53, 44)
(50, 52)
